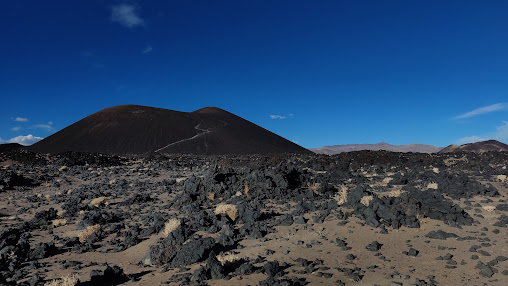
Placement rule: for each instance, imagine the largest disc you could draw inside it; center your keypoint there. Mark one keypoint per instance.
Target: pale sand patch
(227, 258)
(59, 222)
(98, 201)
(365, 200)
(171, 225)
(432, 186)
(393, 193)
(87, 232)
(387, 180)
(341, 196)
(313, 187)
(230, 210)
(69, 280)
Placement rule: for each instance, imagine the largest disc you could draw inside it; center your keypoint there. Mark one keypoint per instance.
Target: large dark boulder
(193, 251)
(164, 251)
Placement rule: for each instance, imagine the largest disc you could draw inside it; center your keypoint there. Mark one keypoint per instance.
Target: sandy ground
(310, 241)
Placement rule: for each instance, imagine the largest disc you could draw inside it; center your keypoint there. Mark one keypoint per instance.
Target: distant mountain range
(483, 146)
(142, 130)
(417, 148)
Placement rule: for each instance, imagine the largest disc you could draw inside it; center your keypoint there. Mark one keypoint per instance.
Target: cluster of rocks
(301, 184)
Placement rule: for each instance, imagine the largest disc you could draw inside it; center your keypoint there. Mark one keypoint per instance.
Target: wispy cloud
(89, 54)
(21, 119)
(94, 59)
(470, 139)
(483, 110)
(46, 127)
(23, 140)
(501, 134)
(147, 50)
(277, 116)
(126, 15)
(17, 128)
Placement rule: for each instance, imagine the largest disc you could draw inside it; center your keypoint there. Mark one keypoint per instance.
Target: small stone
(351, 256)
(487, 272)
(374, 246)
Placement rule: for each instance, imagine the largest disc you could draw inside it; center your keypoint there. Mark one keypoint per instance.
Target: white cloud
(21, 119)
(483, 110)
(23, 140)
(17, 128)
(147, 50)
(126, 15)
(501, 134)
(50, 123)
(277, 117)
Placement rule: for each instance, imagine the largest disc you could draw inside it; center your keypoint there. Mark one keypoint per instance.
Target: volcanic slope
(141, 130)
(489, 145)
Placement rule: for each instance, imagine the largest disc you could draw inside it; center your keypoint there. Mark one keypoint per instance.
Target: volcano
(483, 146)
(142, 130)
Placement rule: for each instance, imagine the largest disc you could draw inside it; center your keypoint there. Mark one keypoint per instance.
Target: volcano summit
(134, 129)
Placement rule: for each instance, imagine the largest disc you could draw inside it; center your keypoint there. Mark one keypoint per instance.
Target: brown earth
(166, 180)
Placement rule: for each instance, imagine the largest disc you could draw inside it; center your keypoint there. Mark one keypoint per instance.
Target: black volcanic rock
(141, 130)
(10, 146)
(109, 276)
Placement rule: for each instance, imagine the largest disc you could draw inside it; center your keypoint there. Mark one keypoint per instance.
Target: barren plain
(359, 218)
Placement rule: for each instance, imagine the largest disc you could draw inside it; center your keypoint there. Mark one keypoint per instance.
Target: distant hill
(417, 148)
(483, 146)
(10, 146)
(134, 129)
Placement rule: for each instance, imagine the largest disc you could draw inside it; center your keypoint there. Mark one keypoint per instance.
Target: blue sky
(315, 72)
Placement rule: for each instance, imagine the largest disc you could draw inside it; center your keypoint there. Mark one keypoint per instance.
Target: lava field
(357, 218)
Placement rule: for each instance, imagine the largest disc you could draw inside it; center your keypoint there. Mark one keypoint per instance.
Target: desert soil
(360, 218)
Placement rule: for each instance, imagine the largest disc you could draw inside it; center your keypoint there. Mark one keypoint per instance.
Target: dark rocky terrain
(483, 146)
(368, 218)
(135, 130)
(10, 146)
(336, 149)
